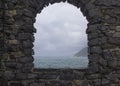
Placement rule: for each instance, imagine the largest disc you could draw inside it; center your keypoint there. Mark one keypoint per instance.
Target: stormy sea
(56, 62)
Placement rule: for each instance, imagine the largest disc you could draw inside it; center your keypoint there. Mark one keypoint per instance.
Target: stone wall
(17, 36)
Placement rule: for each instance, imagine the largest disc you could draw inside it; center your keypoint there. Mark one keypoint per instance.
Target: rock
(27, 44)
(16, 84)
(118, 28)
(21, 76)
(12, 65)
(113, 63)
(117, 34)
(77, 82)
(97, 82)
(9, 75)
(24, 36)
(32, 76)
(108, 3)
(103, 62)
(94, 12)
(11, 13)
(93, 42)
(84, 83)
(25, 59)
(28, 52)
(13, 42)
(96, 50)
(105, 82)
(114, 40)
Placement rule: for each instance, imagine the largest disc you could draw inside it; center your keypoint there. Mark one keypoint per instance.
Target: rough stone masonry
(17, 36)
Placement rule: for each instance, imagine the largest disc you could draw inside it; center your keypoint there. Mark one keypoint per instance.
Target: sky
(61, 31)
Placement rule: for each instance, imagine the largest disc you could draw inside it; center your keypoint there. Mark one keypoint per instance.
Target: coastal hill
(82, 53)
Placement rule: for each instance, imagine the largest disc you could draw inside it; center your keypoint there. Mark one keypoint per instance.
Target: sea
(60, 62)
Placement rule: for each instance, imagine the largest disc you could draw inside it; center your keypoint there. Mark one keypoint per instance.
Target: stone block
(103, 62)
(93, 67)
(12, 37)
(2, 82)
(28, 28)
(94, 57)
(9, 75)
(114, 40)
(92, 36)
(117, 34)
(1, 28)
(113, 63)
(13, 42)
(66, 77)
(28, 44)
(102, 40)
(28, 13)
(113, 11)
(32, 76)
(111, 20)
(78, 75)
(16, 84)
(25, 59)
(9, 21)
(38, 84)
(11, 65)
(21, 76)
(93, 42)
(108, 46)
(47, 76)
(118, 28)
(10, 13)
(92, 28)
(105, 82)
(95, 12)
(84, 83)
(17, 54)
(28, 52)
(108, 3)
(24, 36)
(27, 67)
(97, 82)
(94, 76)
(96, 49)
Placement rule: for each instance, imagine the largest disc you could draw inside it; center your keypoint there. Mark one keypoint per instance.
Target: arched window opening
(61, 39)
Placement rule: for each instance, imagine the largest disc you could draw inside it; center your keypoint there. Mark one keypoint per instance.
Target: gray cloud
(60, 30)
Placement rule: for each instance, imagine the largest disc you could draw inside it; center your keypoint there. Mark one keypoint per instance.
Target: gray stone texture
(17, 37)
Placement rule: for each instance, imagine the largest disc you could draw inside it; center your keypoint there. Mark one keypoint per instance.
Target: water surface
(57, 62)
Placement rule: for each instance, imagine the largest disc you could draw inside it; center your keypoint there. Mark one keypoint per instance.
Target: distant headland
(82, 53)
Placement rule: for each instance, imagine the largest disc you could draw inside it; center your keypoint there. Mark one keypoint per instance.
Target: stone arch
(92, 13)
(16, 42)
(39, 41)
(24, 17)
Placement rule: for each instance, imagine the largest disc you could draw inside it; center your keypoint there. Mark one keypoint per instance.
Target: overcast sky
(61, 31)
